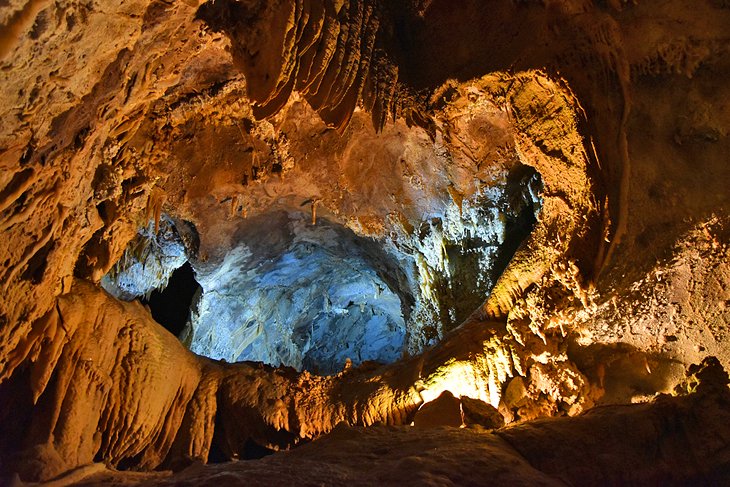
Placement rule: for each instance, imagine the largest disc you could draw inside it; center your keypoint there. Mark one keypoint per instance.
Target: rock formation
(524, 205)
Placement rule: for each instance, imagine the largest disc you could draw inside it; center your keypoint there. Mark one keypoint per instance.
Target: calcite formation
(557, 451)
(542, 186)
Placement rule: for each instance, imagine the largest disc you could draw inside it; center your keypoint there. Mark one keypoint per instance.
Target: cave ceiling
(379, 209)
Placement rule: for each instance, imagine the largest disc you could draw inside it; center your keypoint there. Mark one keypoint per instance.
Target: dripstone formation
(512, 218)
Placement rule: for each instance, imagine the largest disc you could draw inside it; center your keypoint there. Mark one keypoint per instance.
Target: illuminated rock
(404, 122)
(300, 295)
(479, 413)
(148, 262)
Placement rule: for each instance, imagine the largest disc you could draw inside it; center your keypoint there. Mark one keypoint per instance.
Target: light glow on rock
(312, 298)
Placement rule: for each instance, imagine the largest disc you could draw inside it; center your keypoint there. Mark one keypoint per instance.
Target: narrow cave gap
(221, 451)
(170, 306)
(130, 463)
(37, 264)
(16, 406)
(250, 451)
(523, 187)
(254, 451)
(217, 453)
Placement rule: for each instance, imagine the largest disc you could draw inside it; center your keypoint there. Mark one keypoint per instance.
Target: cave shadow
(170, 307)
(518, 226)
(16, 415)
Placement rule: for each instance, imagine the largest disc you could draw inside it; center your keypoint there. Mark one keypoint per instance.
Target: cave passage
(170, 306)
(306, 296)
(319, 296)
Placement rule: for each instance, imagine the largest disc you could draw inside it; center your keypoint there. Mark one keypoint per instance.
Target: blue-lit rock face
(147, 263)
(307, 296)
(283, 291)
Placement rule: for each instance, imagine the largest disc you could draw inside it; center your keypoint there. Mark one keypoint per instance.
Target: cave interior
(349, 242)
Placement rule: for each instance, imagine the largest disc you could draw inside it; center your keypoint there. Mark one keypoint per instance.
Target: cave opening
(522, 192)
(309, 296)
(316, 295)
(170, 306)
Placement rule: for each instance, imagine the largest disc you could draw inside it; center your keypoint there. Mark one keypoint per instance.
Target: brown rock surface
(114, 112)
(480, 414)
(445, 410)
(610, 445)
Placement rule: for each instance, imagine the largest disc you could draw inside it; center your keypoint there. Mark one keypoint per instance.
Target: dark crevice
(254, 451)
(520, 221)
(130, 463)
(16, 406)
(19, 179)
(38, 263)
(170, 306)
(94, 255)
(188, 235)
(216, 453)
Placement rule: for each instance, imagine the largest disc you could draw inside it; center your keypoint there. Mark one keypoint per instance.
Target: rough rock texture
(115, 111)
(445, 410)
(150, 396)
(313, 296)
(671, 441)
(148, 263)
(479, 414)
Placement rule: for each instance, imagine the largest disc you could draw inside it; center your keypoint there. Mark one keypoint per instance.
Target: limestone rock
(445, 410)
(112, 113)
(559, 451)
(516, 393)
(478, 413)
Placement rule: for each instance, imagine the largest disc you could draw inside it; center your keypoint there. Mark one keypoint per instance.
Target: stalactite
(327, 50)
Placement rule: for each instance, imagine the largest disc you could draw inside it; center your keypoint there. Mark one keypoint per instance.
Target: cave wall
(111, 113)
(554, 451)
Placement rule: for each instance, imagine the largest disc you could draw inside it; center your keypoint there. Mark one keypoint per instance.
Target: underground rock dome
(335, 242)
